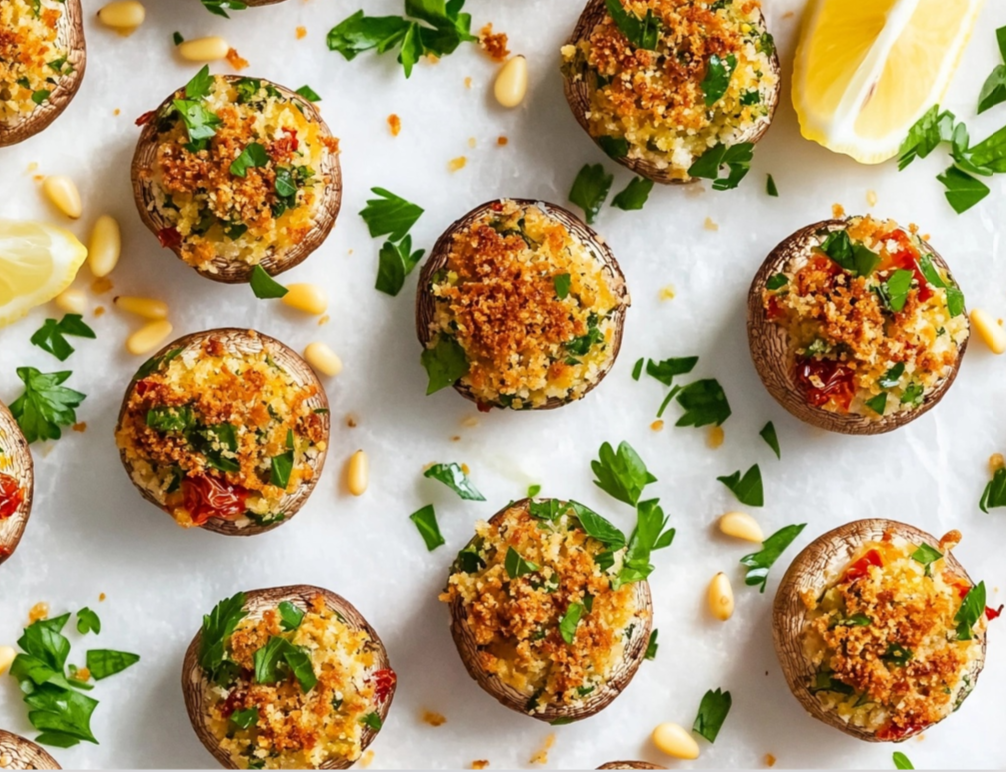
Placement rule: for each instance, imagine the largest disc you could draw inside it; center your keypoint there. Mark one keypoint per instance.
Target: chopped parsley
(561, 282)
(635, 195)
(642, 33)
(178, 38)
(88, 622)
(104, 662)
(901, 761)
(713, 712)
(46, 405)
(652, 646)
(390, 215)
(771, 189)
(878, 404)
(445, 363)
(245, 719)
(994, 89)
(637, 369)
(614, 147)
(649, 535)
(570, 621)
(622, 475)
(372, 721)
(51, 335)
(747, 489)
(932, 129)
(768, 434)
(254, 156)
(590, 190)
(776, 282)
(718, 73)
(218, 626)
(290, 616)
(426, 522)
(970, 612)
(927, 555)
(220, 7)
(962, 190)
(516, 566)
(308, 93)
(278, 658)
(955, 298)
(395, 263)
(853, 257)
(737, 159)
(995, 492)
(704, 402)
(759, 563)
(894, 291)
(899, 655)
(454, 477)
(665, 370)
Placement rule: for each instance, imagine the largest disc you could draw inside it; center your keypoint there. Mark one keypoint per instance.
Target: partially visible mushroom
(68, 77)
(17, 483)
(19, 753)
(195, 686)
(630, 765)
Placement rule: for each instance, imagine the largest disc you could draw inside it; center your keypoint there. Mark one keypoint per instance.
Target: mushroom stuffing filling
(293, 688)
(874, 325)
(545, 607)
(32, 61)
(529, 306)
(236, 173)
(699, 74)
(211, 433)
(896, 638)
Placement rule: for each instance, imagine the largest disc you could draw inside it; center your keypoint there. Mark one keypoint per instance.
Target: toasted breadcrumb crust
(31, 58)
(494, 44)
(655, 100)
(175, 438)
(833, 316)
(498, 297)
(886, 637)
(213, 212)
(295, 730)
(515, 622)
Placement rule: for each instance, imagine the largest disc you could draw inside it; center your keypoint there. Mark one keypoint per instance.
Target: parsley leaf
(245, 719)
(104, 662)
(759, 563)
(254, 156)
(637, 369)
(264, 286)
(704, 402)
(771, 189)
(713, 712)
(50, 336)
(955, 298)
(45, 405)
(454, 477)
(894, 291)
(218, 626)
(747, 489)
(635, 195)
(778, 281)
(570, 621)
(614, 147)
(926, 135)
(737, 158)
(647, 537)
(280, 469)
(177, 38)
(561, 283)
(652, 646)
(390, 215)
(926, 554)
(308, 93)
(200, 122)
(63, 716)
(426, 521)
(664, 371)
(516, 566)
(372, 721)
(897, 654)
(360, 33)
(642, 33)
(963, 190)
(220, 7)
(279, 656)
(995, 492)
(88, 622)
(445, 363)
(590, 189)
(970, 612)
(717, 80)
(622, 475)
(853, 257)
(901, 761)
(994, 90)
(892, 377)
(395, 262)
(768, 434)
(597, 527)
(878, 404)
(290, 616)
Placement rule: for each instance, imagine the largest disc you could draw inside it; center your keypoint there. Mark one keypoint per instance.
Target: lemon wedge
(867, 70)
(37, 262)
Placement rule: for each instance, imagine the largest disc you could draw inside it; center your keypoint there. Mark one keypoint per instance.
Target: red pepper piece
(11, 496)
(169, 237)
(207, 497)
(836, 377)
(144, 119)
(384, 683)
(861, 567)
(993, 613)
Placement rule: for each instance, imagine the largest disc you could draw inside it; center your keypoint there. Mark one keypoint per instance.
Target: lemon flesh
(865, 72)
(37, 262)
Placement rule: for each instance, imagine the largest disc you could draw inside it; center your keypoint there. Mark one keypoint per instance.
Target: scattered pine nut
(675, 740)
(148, 308)
(105, 246)
(309, 298)
(511, 83)
(741, 525)
(323, 359)
(148, 338)
(721, 597)
(63, 194)
(7, 655)
(71, 301)
(991, 333)
(123, 15)
(668, 292)
(208, 49)
(358, 473)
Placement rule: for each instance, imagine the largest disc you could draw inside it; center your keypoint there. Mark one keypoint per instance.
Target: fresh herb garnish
(45, 405)
(264, 286)
(995, 492)
(50, 336)
(245, 719)
(104, 662)
(561, 283)
(970, 612)
(390, 215)
(533, 490)
(177, 38)
(665, 370)
(717, 80)
(254, 156)
(290, 616)
(994, 90)
(281, 468)
(455, 478)
(748, 489)
(622, 475)
(853, 257)
(778, 281)
(704, 402)
(856, 620)
(426, 522)
(642, 33)
(637, 369)
(88, 622)
(445, 363)
(570, 621)
(759, 563)
(894, 291)
(913, 394)
(963, 190)
(218, 626)
(635, 195)
(878, 404)
(590, 189)
(926, 554)
(372, 721)
(901, 761)
(649, 535)
(898, 655)
(614, 147)
(170, 419)
(892, 377)
(955, 298)
(516, 566)
(771, 189)
(597, 527)
(932, 129)
(278, 658)
(768, 434)
(395, 263)
(737, 158)
(220, 7)
(652, 646)
(308, 93)
(713, 712)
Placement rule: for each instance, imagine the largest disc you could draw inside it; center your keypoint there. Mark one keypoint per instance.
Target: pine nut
(123, 15)
(309, 298)
(511, 83)
(6, 657)
(72, 301)
(63, 194)
(323, 359)
(990, 331)
(148, 308)
(741, 525)
(675, 740)
(721, 597)
(105, 247)
(204, 49)
(358, 473)
(148, 338)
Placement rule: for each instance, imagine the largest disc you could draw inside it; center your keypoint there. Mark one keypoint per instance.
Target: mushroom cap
(811, 572)
(516, 700)
(770, 349)
(15, 449)
(24, 753)
(630, 765)
(426, 304)
(239, 271)
(256, 603)
(70, 35)
(247, 342)
(578, 95)
(263, 2)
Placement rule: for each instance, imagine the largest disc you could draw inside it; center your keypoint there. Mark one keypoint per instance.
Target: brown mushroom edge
(773, 359)
(426, 304)
(256, 603)
(21, 468)
(630, 765)
(516, 700)
(578, 95)
(70, 35)
(24, 754)
(239, 272)
(263, 2)
(811, 571)
(244, 341)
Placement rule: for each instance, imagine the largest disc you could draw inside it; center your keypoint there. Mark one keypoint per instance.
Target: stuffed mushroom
(520, 306)
(287, 678)
(19, 753)
(630, 765)
(673, 89)
(233, 172)
(542, 614)
(879, 629)
(42, 60)
(225, 430)
(856, 325)
(17, 483)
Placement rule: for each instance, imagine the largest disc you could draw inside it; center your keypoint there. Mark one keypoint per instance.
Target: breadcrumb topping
(494, 44)
(32, 61)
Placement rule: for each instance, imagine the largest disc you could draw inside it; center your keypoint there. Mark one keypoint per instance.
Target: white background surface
(92, 533)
